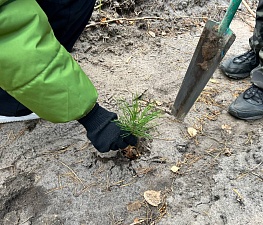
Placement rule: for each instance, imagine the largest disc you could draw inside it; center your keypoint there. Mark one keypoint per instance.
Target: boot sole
(237, 76)
(236, 115)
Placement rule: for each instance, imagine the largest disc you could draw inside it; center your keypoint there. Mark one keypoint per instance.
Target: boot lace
(254, 93)
(249, 55)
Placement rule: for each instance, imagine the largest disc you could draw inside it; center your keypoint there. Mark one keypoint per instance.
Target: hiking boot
(249, 105)
(240, 67)
(9, 119)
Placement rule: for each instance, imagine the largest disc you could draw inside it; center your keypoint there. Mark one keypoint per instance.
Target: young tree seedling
(137, 119)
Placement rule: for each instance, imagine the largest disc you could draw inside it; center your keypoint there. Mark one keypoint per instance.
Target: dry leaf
(152, 197)
(151, 33)
(137, 221)
(192, 131)
(134, 206)
(175, 168)
(103, 20)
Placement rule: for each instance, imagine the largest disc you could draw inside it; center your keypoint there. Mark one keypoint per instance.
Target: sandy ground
(50, 174)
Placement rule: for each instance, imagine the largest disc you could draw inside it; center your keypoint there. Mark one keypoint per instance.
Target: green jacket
(36, 70)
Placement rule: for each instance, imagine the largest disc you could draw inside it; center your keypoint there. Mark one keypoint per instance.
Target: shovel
(213, 44)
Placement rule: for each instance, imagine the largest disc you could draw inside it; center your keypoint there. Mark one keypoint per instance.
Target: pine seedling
(136, 119)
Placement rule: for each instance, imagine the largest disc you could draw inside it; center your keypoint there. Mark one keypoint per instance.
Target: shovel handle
(229, 15)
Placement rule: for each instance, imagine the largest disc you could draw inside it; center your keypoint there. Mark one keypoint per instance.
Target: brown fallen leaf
(152, 197)
(103, 20)
(133, 206)
(137, 221)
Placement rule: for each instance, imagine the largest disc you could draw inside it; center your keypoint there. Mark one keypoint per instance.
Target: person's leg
(11, 110)
(256, 41)
(240, 66)
(68, 19)
(9, 106)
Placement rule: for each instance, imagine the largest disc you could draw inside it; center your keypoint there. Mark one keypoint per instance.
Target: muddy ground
(50, 174)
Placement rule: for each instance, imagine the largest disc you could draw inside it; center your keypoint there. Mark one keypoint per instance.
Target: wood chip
(152, 34)
(175, 168)
(192, 131)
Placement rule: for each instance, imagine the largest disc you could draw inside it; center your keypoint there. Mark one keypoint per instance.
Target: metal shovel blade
(209, 52)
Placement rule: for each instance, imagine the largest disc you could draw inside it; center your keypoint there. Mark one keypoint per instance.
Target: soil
(50, 174)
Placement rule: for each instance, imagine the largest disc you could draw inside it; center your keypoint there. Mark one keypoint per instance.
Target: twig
(165, 139)
(54, 189)
(255, 167)
(239, 197)
(139, 18)
(214, 139)
(85, 189)
(139, 221)
(117, 183)
(7, 167)
(257, 175)
(27, 219)
(251, 171)
(132, 182)
(98, 6)
(248, 8)
(73, 173)
(123, 19)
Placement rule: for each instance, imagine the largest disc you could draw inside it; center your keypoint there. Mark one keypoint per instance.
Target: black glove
(103, 133)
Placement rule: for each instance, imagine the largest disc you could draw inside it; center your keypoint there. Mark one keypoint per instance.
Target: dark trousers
(256, 43)
(68, 19)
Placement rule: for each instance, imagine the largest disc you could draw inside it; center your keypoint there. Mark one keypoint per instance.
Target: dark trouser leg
(9, 106)
(68, 19)
(256, 41)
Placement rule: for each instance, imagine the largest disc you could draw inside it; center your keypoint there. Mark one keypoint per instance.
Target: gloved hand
(103, 133)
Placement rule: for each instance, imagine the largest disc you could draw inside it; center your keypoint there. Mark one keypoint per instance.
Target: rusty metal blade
(209, 52)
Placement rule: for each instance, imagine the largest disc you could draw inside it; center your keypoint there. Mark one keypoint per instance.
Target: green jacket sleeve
(36, 70)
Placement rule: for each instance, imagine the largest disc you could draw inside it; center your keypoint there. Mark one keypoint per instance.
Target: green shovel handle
(230, 13)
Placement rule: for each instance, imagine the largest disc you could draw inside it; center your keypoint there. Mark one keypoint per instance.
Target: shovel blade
(209, 52)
